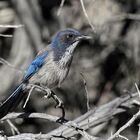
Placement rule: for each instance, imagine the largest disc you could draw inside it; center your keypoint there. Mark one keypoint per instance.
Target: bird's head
(65, 41)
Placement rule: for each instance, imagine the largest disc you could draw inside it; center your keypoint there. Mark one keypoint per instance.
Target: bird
(49, 68)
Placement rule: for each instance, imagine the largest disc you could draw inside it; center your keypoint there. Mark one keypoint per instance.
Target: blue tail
(12, 101)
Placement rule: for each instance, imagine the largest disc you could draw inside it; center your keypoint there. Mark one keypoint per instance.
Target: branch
(60, 7)
(129, 123)
(86, 15)
(5, 35)
(3, 61)
(124, 17)
(86, 90)
(51, 118)
(90, 119)
(11, 26)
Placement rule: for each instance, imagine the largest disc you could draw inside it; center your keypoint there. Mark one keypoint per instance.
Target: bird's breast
(50, 75)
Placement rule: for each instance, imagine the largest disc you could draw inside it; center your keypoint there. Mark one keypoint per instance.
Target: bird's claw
(59, 105)
(61, 120)
(48, 94)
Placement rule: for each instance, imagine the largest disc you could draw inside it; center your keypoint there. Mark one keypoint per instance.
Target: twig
(30, 115)
(129, 123)
(137, 89)
(86, 15)
(3, 35)
(11, 26)
(81, 131)
(124, 16)
(120, 136)
(3, 61)
(138, 132)
(87, 94)
(60, 7)
(13, 127)
(30, 92)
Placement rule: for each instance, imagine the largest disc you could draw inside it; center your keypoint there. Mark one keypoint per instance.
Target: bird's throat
(66, 58)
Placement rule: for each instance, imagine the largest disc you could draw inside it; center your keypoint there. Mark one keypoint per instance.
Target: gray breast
(50, 75)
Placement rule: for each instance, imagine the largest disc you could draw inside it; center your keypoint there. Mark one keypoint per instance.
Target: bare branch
(70, 124)
(13, 127)
(29, 94)
(90, 119)
(60, 7)
(138, 132)
(137, 89)
(129, 123)
(85, 86)
(3, 61)
(11, 26)
(3, 35)
(124, 16)
(120, 136)
(86, 15)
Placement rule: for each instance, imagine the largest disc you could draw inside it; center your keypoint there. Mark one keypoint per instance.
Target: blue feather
(35, 65)
(12, 101)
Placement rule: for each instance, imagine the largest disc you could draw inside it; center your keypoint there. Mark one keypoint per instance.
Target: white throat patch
(68, 54)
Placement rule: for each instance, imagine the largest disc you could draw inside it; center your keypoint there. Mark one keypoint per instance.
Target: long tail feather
(12, 101)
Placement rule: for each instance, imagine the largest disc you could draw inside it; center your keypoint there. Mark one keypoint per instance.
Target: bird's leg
(51, 94)
(60, 105)
(57, 99)
(46, 90)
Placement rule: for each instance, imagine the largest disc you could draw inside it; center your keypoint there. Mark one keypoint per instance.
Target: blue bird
(49, 68)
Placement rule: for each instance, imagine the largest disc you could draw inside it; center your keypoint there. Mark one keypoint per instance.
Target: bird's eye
(70, 36)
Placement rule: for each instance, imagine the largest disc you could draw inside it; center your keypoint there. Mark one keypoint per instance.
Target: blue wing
(35, 65)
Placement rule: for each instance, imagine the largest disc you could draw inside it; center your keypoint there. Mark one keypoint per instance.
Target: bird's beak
(83, 37)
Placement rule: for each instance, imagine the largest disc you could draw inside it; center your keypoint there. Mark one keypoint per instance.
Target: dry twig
(3, 35)
(86, 15)
(129, 123)
(85, 86)
(60, 7)
(29, 94)
(13, 127)
(138, 132)
(11, 26)
(3, 61)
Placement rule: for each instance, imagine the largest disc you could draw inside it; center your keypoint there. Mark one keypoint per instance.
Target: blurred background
(110, 62)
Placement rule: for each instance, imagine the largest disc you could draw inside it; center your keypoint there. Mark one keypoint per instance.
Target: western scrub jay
(49, 68)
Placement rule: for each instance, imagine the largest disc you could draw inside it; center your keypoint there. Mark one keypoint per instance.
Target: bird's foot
(62, 120)
(59, 104)
(48, 93)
